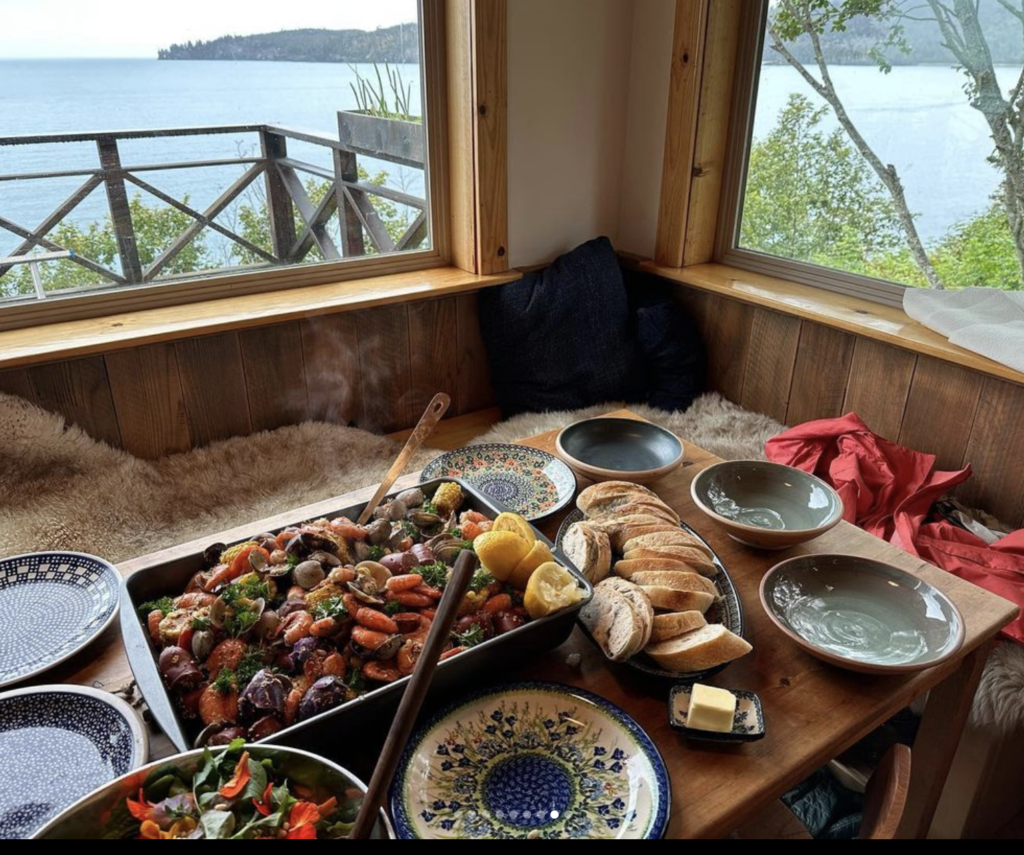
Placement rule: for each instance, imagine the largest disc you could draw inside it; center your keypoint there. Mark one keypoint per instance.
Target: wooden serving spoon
(415, 694)
(434, 413)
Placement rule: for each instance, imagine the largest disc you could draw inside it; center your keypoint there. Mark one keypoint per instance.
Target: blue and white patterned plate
(747, 727)
(530, 482)
(52, 604)
(531, 761)
(59, 743)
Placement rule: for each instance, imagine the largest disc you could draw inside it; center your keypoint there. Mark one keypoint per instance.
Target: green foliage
(372, 98)
(811, 197)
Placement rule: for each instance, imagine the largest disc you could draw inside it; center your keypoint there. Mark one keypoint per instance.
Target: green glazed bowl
(767, 505)
(87, 818)
(862, 615)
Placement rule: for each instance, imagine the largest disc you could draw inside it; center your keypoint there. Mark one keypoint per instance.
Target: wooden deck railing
(296, 225)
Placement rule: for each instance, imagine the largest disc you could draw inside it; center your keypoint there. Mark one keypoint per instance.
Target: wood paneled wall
(798, 371)
(375, 368)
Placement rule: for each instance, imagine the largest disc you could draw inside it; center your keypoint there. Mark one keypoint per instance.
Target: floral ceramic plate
(728, 611)
(530, 482)
(60, 743)
(531, 761)
(64, 600)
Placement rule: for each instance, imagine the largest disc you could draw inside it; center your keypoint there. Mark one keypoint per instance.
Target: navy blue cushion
(562, 338)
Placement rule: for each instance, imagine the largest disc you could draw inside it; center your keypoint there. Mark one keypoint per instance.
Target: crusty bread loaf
(613, 623)
(687, 554)
(700, 650)
(611, 494)
(624, 534)
(652, 508)
(674, 624)
(666, 537)
(639, 565)
(675, 580)
(641, 603)
(612, 524)
(590, 550)
(670, 600)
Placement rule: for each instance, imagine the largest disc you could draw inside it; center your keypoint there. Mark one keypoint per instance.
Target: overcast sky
(138, 28)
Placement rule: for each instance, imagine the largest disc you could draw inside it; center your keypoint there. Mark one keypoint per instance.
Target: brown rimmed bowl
(766, 505)
(620, 450)
(862, 615)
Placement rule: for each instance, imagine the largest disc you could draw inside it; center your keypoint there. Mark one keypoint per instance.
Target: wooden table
(813, 712)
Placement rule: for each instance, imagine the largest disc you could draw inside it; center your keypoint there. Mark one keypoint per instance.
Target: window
(262, 139)
(885, 145)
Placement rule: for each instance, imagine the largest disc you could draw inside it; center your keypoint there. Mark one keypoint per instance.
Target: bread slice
(612, 494)
(669, 537)
(590, 550)
(649, 509)
(612, 524)
(631, 566)
(624, 534)
(641, 603)
(687, 554)
(668, 599)
(700, 650)
(674, 624)
(612, 622)
(675, 580)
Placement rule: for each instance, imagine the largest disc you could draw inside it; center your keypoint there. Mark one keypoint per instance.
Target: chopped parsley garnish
(430, 508)
(250, 588)
(471, 637)
(293, 560)
(254, 661)
(393, 608)
(409, 529)
(200, 624)
(377, 553)
(164, 605)
(333, 607)
(226, 682)
(434, 575)
(355, 680)
(481, 579)
(240, 622)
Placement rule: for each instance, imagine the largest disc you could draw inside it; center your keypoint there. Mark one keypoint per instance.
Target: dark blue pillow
(561, 338)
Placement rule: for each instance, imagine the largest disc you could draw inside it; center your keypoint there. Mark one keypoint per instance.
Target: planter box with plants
(383, 127)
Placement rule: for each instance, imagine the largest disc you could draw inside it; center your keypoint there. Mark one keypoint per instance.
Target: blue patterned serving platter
(748, 726)
(60, 743)
(531, 761)
(728, 611)
(530, 482)
(52, 604)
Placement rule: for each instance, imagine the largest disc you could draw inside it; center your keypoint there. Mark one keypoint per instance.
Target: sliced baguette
(629, 567)
(612, 524)
(674, 624)
(675, 580)
(653, 509)
(611, 494)
(612, 622)
(687, 554)
(623, 535)
(670, 600)
(669, 537)
(700, 650)
(590, 550)
(641, 604)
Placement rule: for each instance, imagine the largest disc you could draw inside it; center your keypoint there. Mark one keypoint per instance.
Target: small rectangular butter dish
(747, 727)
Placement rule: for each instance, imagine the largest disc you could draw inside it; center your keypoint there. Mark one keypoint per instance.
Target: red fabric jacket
(889, 490)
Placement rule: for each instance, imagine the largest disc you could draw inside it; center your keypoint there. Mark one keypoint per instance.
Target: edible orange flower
(233, 788)
(302, 821)
(328, 807)
(179, 831)
(149, 831)
(141, 809)
(263, 804)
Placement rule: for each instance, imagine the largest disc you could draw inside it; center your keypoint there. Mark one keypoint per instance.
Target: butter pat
(711, 710)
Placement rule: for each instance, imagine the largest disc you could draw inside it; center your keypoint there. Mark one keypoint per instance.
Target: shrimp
(498, 605)
(227, 654)
(377, 621)
(153, 625)
(335, 665)
(434, 593)
(313, 670)
(381, 672)
(342, 575)
(369, 639)
(344, 527)
(324, 628)
(413, 600)
(215, 708)
(397, 584)
(195, 600)
(408, 655)
(296, 627)
(220, 575)
(291, 707)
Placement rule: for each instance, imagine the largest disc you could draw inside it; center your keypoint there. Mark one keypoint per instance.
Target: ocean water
(917, 117)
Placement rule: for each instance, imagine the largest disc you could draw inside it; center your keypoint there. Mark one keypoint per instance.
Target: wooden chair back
(886, 796)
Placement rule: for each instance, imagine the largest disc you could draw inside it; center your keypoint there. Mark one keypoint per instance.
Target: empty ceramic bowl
(862, 615)
(620, 450)
(767, 505)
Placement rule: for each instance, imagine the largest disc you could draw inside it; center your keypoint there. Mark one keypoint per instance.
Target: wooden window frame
(717, 49)
(465, 90)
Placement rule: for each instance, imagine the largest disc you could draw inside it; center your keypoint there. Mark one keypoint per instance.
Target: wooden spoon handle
(415, 694)
(433, 414)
